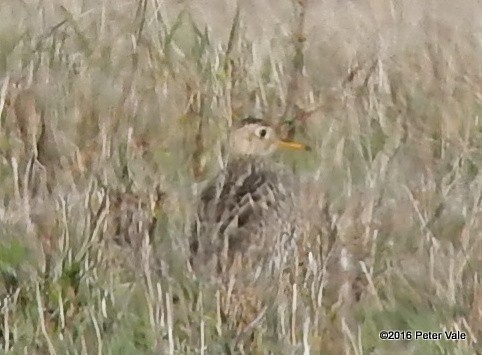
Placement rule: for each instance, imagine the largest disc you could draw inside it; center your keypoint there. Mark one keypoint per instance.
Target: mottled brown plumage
(247, 215)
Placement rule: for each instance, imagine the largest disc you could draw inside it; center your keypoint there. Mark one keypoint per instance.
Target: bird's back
(246, 212)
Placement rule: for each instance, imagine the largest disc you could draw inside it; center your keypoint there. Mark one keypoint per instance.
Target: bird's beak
(292, 145)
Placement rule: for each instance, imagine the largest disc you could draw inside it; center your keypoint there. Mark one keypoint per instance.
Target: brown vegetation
(112, 114)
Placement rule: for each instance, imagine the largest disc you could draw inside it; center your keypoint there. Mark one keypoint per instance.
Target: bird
(247, 214)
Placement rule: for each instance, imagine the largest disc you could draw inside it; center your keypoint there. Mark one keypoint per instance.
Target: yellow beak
(292, 145)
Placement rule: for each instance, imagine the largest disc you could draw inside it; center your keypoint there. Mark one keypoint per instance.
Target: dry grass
(112, 113)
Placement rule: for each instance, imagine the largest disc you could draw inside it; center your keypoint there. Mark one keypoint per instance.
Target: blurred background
(113, 114)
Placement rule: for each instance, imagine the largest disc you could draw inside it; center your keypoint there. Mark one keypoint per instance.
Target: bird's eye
(261, 132)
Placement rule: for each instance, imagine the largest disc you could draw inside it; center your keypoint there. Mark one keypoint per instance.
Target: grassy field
(113, 114)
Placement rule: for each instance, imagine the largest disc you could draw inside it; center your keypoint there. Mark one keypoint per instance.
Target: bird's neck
(250, 163)
(249, 160)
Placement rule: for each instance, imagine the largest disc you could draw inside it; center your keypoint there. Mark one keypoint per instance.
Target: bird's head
(256, 137)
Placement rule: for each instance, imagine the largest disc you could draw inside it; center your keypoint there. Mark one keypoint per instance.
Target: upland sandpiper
(247, 215)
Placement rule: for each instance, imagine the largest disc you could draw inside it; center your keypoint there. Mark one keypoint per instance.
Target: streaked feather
(245, 210)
